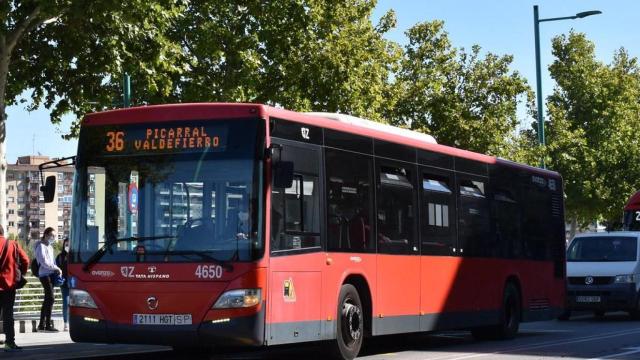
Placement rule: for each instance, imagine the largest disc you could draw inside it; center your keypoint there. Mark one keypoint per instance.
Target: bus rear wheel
(350, 324)
(509, 318)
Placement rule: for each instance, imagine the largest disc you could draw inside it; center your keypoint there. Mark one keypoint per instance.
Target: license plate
(162, 319)
(588, 299)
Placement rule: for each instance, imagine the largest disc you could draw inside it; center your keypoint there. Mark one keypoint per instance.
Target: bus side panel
(398, 295)
(337, 271)
(452, 290)
(543, 293)
(491, 274)
(295, 293)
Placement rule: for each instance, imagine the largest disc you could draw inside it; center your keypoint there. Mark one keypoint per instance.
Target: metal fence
(29, 299)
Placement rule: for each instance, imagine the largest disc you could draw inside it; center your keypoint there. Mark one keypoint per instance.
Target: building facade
(27, 213)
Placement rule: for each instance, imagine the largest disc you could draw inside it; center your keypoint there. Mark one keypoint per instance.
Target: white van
(603, 273)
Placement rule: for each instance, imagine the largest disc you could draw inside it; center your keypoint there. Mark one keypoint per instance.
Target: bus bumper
(238, 331)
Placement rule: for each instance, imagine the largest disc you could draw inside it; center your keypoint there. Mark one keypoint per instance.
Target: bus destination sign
(165, 139)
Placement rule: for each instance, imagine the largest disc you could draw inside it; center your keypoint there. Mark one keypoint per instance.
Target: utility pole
(126, 94)
(536, 29)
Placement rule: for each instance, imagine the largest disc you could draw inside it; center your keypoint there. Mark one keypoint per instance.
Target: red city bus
(242, 224)
(631, 219)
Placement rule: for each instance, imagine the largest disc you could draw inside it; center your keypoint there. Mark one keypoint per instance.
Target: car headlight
(81, 298)
(625, 279)
(240, 298)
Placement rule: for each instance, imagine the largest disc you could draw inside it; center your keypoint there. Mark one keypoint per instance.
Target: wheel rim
(351, 322)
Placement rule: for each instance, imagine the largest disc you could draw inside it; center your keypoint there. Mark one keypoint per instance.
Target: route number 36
(116, 141)
(209, 271)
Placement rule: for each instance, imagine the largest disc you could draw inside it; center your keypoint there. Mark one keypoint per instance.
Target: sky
(498, 26)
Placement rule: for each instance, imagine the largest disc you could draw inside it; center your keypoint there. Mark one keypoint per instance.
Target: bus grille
(556, 205)
(597, 280)
(539, 304)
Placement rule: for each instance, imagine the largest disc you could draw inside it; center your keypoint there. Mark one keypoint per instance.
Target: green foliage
(320, 56)
(74, 52)
(592, 134)
(28, 248)
(461, 98)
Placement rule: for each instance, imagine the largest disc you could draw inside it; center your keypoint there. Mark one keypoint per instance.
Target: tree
(71, 55)
(461, 99)
(592, 136)
(311, 55)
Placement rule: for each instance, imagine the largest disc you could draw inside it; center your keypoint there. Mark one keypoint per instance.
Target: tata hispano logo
(153, 273)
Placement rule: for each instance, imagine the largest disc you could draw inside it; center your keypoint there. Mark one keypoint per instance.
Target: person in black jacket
(62, 260)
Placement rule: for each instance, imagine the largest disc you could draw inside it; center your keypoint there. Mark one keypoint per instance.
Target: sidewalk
(28, 337)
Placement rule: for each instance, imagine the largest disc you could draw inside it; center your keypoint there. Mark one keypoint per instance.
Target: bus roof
(634, 202)
(340, 122)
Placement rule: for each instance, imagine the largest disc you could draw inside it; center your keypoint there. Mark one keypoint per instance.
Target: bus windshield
(603, 248)
(148, 203)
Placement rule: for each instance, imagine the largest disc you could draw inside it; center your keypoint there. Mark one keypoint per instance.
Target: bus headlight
(81, 298)
(625, 279)
(240, 298)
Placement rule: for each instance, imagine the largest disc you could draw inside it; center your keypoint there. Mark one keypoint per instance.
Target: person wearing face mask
(62, 260)
(48, 267)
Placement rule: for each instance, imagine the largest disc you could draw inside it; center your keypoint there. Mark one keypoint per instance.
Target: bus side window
(537, 219)
(473, 218)
(396, 210)
(438, 214)
(349, 201)
(507, 223)
(295, 211)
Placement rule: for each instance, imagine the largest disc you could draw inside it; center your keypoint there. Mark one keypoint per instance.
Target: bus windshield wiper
(107, 245)
(204, 256)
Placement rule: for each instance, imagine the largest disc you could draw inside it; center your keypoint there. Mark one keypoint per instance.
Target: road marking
(544, 344)
(543, 331)
(632, 350)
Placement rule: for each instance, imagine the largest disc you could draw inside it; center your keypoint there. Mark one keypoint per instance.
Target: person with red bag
(12, 260)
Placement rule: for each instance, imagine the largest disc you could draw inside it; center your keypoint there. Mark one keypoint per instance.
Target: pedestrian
(62, 260)
(47, 269)
(10, 255)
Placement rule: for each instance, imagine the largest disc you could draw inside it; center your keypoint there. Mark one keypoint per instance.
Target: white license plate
(588, 299)
(162, 319)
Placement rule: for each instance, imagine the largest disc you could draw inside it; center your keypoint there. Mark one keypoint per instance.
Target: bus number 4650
(209, 271)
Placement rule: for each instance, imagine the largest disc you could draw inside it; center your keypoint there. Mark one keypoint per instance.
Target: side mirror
(283, 174)
(49, 189)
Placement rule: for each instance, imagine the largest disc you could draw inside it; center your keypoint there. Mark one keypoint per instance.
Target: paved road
(612, 337)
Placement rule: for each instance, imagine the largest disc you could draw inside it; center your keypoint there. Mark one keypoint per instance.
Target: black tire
(565, 315)
(509, 318)
(635, 313)
(350, 325)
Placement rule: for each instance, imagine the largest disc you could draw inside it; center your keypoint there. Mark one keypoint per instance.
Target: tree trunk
(574, 228)
(8, 42)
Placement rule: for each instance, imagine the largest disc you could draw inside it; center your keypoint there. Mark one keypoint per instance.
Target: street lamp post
(536, 27)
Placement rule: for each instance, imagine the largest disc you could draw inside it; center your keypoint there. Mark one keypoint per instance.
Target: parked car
(603, 273)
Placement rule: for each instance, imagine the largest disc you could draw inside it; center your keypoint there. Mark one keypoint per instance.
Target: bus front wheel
(350, 324)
